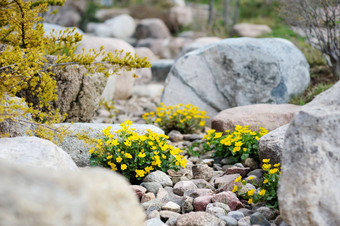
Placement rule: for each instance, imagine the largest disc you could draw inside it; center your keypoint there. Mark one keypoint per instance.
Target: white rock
(34, 151)
(122, 26)
(31, 196)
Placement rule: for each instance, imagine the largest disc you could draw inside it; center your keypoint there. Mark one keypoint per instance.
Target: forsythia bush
(25, 70)
(184, 118)
(133, 155)
(237, 145)
(267, 191)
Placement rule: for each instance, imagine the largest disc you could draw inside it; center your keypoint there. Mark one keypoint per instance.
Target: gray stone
(153, 214)
(258, 173)
(187, 204)
(245, 221)
(79, 151)
(181, 187)
(16, 126)
(34, 151)
(237, 215)
(152, 186)
(251, 163)
(246, 212)
(310, 163)
(166, 215)
(154, 222)
(160, 177)
(268, 213)
(221, 208)
(47, 197)
(228, 220)
(259, 219)
(202, 172)
(271, 145)
(175, 136)
(160, 69)
(198, 192)
(151, 28)
(226, 182)
(236, 72)
(201, 183)
(78, 93)
(199, 219)
(180, 16)
(153, 204)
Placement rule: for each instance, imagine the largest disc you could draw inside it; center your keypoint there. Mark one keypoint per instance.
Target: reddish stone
(139, 190)
(237, 170)
(200, 203)
(229, 198)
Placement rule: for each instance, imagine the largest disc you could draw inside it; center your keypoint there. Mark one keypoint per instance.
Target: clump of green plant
(238, 145)
(133, 155)
(184, 118)
(267, 191)
(26, 68)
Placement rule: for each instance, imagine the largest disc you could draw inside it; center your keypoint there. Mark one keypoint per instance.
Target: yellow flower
(250, 201)
(266, 166)
(272, 171)
(127, 143)
(251, 178)
(251, 192)
(119, 159)
(238, 143)
(91, 150)
(153, 148)
(265, 160)
(245, 149)
(150, 143)
(218, 135)
(109, 157)
(277, 165)
(257, 138)
(237, 148)
(140, 173)
(202, 123)
(127, 155)
(234, 189)
(163, 156)
(113, 166)
(158, 120)
(106, 131)
(265, 181)
(115, 142)
(123, 167)
(148, 169)
(262, 192)
(141, 155)
(238, 179)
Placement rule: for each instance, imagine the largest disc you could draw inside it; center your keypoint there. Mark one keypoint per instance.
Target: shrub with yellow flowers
(184, 118)
(133, 155)
(267, 191)
(238, 145)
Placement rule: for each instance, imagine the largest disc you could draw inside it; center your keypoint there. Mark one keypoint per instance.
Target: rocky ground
(201, 193)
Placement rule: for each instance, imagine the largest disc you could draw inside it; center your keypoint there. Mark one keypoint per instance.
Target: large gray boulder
(79, 151)
(236, 72)
(34, 151)
(31, 196)
(309, 185)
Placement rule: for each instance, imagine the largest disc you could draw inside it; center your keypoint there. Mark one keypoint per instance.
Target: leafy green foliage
(133, 155)
(267, 192)
(237, 145)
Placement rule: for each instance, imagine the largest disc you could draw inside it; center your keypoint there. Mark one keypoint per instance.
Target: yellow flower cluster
(134, 155)
(239, 144)
(184, 118)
